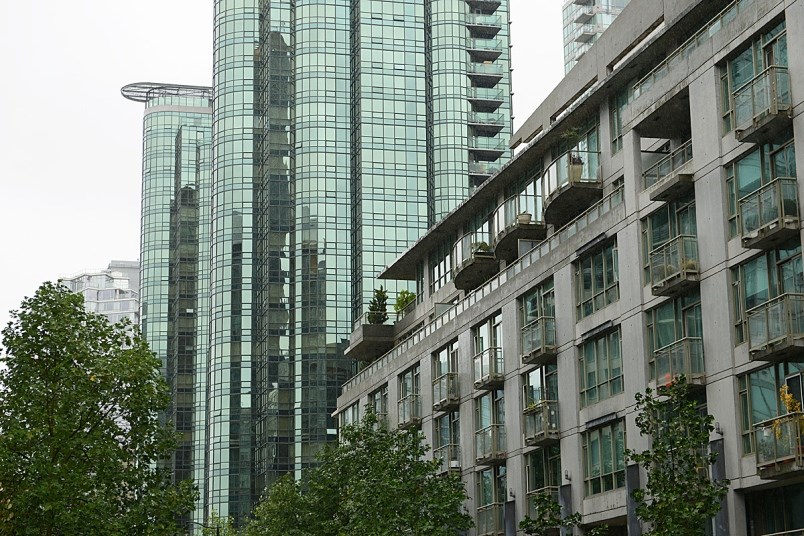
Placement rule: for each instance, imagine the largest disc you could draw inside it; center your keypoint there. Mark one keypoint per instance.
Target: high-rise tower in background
(176, 173)
(584, 21)
(113, 292)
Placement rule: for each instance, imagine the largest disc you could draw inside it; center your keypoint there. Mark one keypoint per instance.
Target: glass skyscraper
(174, 249)
(341, 131)
(584, 21)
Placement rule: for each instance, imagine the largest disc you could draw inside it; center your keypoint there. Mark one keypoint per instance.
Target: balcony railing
(539, 341)
(779, 445)
(495, 45)
(410, 411)
(767, 95)
(489, 368)
(674, 266)
(473, 261)
(491, 69)
(577, 172)
(666, 169)
(518, 218)
(450, 457)
(685, 356)
(770, 214)
(486, 143)
(490, 444)
(541, 422)
(480, 19)
(776, 328)
(483, 168)
(490, 520)
(445, 391)
(371, 336)
(531, 495)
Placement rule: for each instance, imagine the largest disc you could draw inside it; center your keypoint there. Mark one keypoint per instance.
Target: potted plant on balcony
(378, 307)
(481, 248)
(523, 218)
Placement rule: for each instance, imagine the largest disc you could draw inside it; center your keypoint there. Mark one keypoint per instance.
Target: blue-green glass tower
(341, 131)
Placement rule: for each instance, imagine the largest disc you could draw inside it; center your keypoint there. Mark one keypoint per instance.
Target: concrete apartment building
(649, 226)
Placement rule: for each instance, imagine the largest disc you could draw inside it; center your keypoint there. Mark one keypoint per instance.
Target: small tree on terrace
(679, 497)
(378, 307)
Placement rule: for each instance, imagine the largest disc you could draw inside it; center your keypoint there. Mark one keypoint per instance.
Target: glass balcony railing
(685, 356)
(541, 422)
(520, 209)
(774, 323)
(486, 93)
(531, 495)
(490, 520)
(410, 410)
(675, 259)
(486, 143)
(767, 94)
(486, 118)
(445, 391)
(779, 445)
(769, 207)
(667, 165)
(538, 338)
(480, 19)
(491, 69)
(468, 247)
(484, 168)
(449, 455)
(490, 443)
(570, 168)
(489, 367)
(495, 45)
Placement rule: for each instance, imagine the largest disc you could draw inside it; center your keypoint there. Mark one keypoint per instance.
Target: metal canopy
(145, 91)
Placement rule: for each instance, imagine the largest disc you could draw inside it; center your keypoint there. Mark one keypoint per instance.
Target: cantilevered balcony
(490, 445)
(491, 520)
(769, 216)
(671, 177)
(484, 99)
(674, 266)
(410, 411)
(481, 171)
(552, 491)
(486, 148)
(450, 457)
(446, 395)
(473, 262)
(763, 107)
(583, 33)
(481, 50)
(683, 357)
(776, 328)
(485, 74)
(779, 446)
(484, 26)
(483, 6)
(541, 422)
(539, 341)
(518, 218)
(371, 337)
(489, 369)
(485, 124)
(573, 183)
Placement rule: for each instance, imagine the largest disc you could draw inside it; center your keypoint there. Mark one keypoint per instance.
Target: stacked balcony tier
(776, 328)
(539, 341)
(446, 395)
(573, 184)
(763, 106)
(410, 411)
(490, 445)
(541, 423)
(769, 215)
(674, 266)
(473, 262)
(779, 446)
(670, 177)
(517, 218)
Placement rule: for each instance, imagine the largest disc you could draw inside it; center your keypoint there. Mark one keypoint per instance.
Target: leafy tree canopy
(80, 431)
(375, 482)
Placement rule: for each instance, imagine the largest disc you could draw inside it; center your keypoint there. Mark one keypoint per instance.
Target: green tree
(80, 431)
(218, 526)
(679, 497)
(375, 482)
(378, 307)
(548, 517)
(403, 299)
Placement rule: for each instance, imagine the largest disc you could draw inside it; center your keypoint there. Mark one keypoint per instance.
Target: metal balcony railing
(410, 410)
(775, 321)
(541, 422)
(779, 441)
(490, 443)
(445, 390)
(769, 206)
(570, 168)
(677, 258)
(489, 367)
(538, 337)
(667, 165)
(685, 356)
(767, 93)
(449, 455)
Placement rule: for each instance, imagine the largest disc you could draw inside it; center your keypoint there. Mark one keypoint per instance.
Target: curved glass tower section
(174, 249)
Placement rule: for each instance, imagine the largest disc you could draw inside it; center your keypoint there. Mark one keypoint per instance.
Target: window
(665, 225)
(617, 105)
(537, 314)
(445, 376)
(488, 355)
(350, 415)
(597, 280)
(447, 439)
(601, 368)
(490, 440)
(409, 400)
(763, 278)
(673, 322)
(603, 452)
(378, 401)
(491, 494)
(543, 469)
(540, 384)
(441, 266)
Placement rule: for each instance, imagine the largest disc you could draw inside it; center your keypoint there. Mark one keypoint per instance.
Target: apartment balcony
(481, 50)
(683, 357)
(671, 177)
(449, 456)
(484, 26)
(483, 170)
(776, 328)
(491, 520)
(486, 148)
(674, 266)
(574, 184)
(769, 216)
(539, 341)
(584, 33)
(763, 107)
(490, 445)
(518, 218)
(473, 262)
(484, 6)
(485, 124)
(779, 449)
(531, 495)
(410, 411)
(489, 369)
(541, 423)
(446, 395)
(486, 75)
(483, 99)
(370, 338)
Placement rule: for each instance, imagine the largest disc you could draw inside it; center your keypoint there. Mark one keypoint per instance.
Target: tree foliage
(376, 482)
(679, 496)
(80, 431)
(378, 307)
(403, 299)
(548, 517)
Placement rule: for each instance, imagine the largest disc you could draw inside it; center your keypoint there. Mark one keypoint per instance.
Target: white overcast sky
(71, 146)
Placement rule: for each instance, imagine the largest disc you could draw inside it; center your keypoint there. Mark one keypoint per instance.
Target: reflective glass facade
(584, 21)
